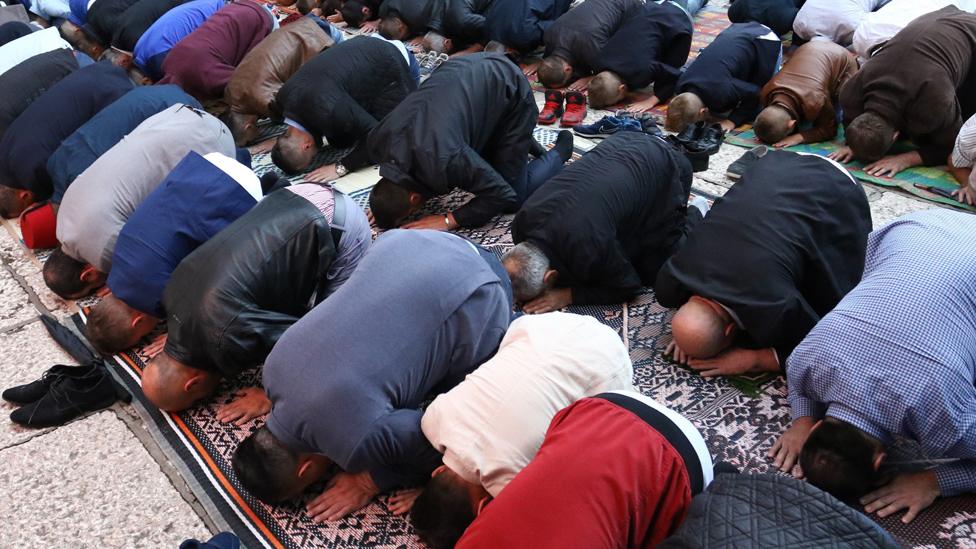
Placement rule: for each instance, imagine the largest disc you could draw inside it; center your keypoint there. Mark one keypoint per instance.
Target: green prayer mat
(906, 180)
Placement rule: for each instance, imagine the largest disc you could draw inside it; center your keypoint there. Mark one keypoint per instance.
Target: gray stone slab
(27, 353)
(90, 484)
(26, 265)
(15, 307)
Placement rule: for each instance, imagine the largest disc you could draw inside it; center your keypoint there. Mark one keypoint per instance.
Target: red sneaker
(553, 108)
(575, 109)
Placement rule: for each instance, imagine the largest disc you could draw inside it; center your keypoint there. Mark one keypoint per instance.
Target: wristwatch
(340, 169)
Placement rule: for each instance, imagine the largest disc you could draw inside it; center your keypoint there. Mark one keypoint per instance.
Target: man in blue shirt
(896, 358)
(201, 196)
(107, 128)
(347, 381)
(173, 26)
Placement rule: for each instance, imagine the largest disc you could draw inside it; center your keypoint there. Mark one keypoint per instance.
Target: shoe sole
(592, 135)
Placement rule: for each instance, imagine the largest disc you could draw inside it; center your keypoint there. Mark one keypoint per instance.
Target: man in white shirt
(833, 20)
(491, 425)
(878, 27)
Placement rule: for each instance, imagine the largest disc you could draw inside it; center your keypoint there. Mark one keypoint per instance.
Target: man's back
(100, 200)
(779, 256)
(368, 71)
(25, 82)
(137, 19)
(107, 128)
(579, 34)
(898, 351)
(172, 27)
(490, 426)
(433, 310)
(50, 119)
(461, 105)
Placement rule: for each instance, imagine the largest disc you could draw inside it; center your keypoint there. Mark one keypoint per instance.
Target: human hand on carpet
(786, 449)
(553, 300)
(727, 125)
(675, 352)
(345, 493)
(889, 166)
(334, 18)
(580, 84)
(965, 195)
(155, 347)
(402, 501)
(530, 69)
(731, 362)
(789, 141)
(369, 27)
(912, 491)
(645, 105)
(433, 223)
(322, 174)
(248, 404)
(842, 155)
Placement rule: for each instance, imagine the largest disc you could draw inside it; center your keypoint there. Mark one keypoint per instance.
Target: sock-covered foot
(564, 145)
(700, 203)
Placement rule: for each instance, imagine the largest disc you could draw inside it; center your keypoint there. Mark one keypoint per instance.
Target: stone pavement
(100, 480)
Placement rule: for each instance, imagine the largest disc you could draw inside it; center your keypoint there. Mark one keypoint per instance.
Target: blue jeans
(536, 173)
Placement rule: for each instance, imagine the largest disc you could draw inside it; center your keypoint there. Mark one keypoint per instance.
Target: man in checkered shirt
(895, 358)
(962, 160)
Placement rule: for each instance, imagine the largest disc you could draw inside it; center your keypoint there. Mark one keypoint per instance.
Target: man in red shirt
(615, 470)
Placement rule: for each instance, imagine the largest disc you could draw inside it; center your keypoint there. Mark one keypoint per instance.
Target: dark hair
(869, 136)
(331, 6)
(62, 274)
(839, 459)
(442, 512)
(265, 466)
(305, 7)
(389, 27)
(109, 327)
(388, 202)
(352, 13)
(287, 155)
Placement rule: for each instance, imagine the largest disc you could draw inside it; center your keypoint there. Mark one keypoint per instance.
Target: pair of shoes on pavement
(64, 393)
(430, 61)
(621, 122)
(572, 113)
(702, 137)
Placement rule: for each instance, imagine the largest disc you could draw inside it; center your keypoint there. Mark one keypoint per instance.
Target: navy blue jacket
(31, 140)
(520, 24)
(650, 47)
(107, 128)
(27, 80)
(729, 74)
(422, 310)
(195, 202)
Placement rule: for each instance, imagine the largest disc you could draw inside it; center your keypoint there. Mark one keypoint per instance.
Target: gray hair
(530, 266)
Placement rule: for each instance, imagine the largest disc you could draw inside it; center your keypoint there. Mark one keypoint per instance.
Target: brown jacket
(266, 67)
(809, 84)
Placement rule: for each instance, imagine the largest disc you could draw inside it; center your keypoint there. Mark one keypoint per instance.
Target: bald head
(701, 328)
(294, 150)
(173, 386)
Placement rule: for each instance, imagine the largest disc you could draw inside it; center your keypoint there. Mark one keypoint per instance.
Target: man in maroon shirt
(615, 470)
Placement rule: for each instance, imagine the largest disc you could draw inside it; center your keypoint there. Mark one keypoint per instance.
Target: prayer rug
(906, 180)
(738, 427)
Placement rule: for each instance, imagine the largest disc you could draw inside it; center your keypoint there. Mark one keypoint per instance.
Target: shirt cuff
(804, 407)
(956, 478)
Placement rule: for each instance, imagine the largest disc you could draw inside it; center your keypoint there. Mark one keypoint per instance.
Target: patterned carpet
(738, 427)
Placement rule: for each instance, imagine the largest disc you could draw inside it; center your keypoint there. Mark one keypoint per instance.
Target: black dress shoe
(698, 160)
(33, 391)
(691, 134)
(737, 168)
(70, 397)
(649, 125)
(709, 140)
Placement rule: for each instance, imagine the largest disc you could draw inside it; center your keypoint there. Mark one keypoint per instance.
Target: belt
(338, 218)
(663, 425)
